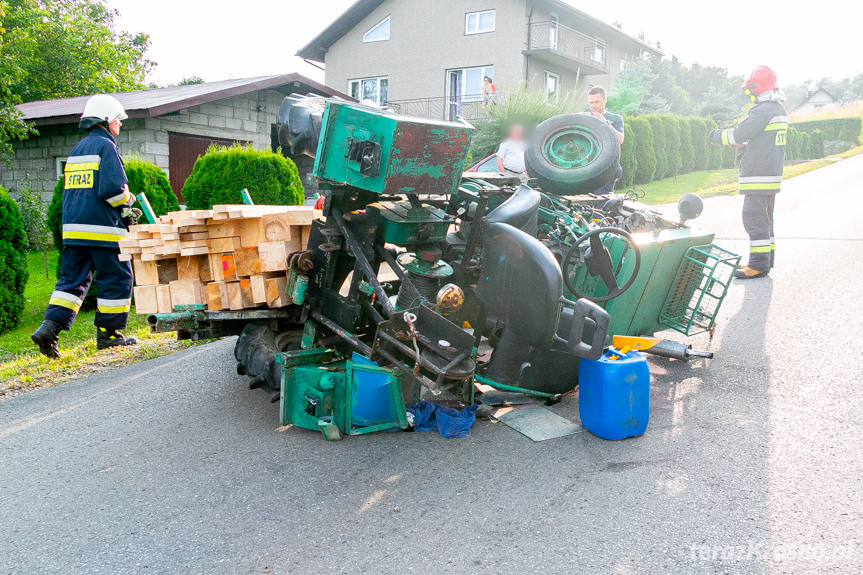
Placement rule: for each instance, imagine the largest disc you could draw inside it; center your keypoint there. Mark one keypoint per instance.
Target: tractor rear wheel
(572, 154)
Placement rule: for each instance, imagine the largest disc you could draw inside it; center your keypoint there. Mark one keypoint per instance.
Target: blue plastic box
(614, 395)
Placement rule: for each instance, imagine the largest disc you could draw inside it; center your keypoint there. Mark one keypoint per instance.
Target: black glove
(130, 216)
(715, 137)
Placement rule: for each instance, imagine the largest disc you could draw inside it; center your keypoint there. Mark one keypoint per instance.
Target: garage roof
(162, 101)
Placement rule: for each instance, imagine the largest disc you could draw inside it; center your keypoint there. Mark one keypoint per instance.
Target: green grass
(704, 183)
(799, 169)
(721, 182)
(22, 367)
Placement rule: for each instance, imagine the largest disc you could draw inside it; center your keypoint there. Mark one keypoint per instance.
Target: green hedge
(698, 130)
(628, 159)
(816, 144)
(219, 175)
(672, 145)
(645, 168)
(13, 262)
(143, 177)
(845, 129)
(659, 145)
(687, 150)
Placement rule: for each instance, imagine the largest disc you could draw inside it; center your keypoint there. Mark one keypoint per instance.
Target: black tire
(601, 152)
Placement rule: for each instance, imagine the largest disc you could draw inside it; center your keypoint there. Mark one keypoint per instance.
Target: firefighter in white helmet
(96, 199)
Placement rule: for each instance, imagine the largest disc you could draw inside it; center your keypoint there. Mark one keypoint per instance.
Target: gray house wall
(246, 118)
(426, 39)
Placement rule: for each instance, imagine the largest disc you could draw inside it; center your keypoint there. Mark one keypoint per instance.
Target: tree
(67, 48)
(11, 125)
(698, 129)
(188, 80)
(631, 88)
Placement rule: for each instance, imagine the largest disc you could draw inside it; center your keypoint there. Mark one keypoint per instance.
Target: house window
(479, 22)
(374, 89)
(379, 32)
(465, 84)
(60, 164)
(598, 52)
(552, 87)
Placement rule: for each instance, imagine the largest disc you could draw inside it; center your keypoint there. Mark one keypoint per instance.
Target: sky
(221, 40)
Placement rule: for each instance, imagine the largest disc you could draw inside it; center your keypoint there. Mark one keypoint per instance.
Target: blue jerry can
(614, 395)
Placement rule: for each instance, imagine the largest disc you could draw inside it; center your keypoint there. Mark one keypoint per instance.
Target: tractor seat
(519, 211)
(522, 285)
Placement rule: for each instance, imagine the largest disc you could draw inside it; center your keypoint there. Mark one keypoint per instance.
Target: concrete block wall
(246, 118)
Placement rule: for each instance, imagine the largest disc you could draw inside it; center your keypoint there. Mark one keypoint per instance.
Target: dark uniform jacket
(763, 133)
(94, 192)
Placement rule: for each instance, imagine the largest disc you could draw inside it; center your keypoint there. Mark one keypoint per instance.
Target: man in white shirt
(510, 154)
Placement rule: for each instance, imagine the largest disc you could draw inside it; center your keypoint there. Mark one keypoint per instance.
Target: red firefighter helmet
(761, 80)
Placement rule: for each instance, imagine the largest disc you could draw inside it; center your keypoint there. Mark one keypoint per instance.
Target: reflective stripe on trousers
(758, 221)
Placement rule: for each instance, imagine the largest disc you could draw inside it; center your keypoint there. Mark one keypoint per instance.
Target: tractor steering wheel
(598, 260)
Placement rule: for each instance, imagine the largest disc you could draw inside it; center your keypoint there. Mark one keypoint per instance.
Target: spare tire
(572, 154)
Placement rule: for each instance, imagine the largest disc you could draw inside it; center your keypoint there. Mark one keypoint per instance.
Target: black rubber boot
(46, 336)
(106, 338)
(748, 273)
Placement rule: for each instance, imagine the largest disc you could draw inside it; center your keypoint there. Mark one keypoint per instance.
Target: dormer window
(379, 32)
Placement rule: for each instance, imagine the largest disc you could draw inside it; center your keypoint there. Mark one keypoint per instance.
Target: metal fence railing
(469, 106)
(559, 38)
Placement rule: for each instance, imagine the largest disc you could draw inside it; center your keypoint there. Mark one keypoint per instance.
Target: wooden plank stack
(231, 257)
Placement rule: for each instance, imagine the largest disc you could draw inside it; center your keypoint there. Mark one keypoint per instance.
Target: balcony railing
(469, 107)
(558, 38)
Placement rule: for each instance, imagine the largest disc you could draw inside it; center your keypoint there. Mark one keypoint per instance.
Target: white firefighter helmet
(102, 108)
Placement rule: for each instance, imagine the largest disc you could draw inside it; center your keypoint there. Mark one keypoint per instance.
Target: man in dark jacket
(95, 198)
(762, 137)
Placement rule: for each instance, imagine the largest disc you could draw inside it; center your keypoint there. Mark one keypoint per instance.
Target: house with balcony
(429, 58)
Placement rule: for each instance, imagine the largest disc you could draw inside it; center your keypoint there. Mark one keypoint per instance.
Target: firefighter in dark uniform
(96, 199)
(762, 138)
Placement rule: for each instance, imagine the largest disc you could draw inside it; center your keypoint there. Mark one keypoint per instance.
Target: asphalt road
(751, 462)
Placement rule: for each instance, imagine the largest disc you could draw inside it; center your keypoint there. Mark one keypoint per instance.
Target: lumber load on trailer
(232, 257)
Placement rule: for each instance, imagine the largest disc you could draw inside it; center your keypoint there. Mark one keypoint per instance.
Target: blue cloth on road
(447, 421)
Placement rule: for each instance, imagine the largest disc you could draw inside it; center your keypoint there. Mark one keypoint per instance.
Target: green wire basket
(700, 286)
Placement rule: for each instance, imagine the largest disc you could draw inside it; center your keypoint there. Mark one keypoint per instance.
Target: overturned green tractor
(424, 281)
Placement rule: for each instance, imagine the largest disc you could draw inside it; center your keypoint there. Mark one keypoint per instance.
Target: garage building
(169, 127)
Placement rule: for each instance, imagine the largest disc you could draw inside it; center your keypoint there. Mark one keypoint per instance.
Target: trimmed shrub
(672, 145)
(219, 175)
(153, 181)
(845, 129)
(628, 160)
(55, 215)
(698, 129)
(687, 151)
(659, 145)
(816, 144)
(13, 262)
(645, 156)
